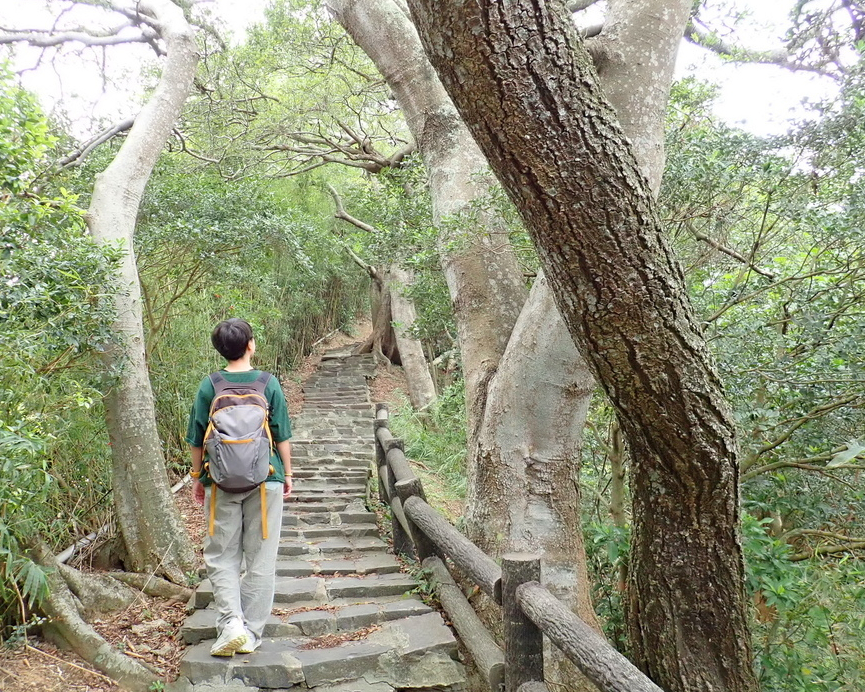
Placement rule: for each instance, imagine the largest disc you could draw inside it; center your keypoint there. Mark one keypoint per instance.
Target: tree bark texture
(421, 389)
(634, 56)
(524, 490)
(148, 517)
(527, 89)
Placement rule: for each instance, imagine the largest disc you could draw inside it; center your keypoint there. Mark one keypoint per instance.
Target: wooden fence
(529, 611)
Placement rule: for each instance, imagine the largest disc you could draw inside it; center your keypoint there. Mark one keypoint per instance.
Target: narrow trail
(345, 618)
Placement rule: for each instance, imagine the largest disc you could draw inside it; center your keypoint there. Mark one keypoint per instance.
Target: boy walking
(244, 524)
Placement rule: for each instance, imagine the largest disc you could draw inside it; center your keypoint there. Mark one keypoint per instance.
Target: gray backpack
(238, 440)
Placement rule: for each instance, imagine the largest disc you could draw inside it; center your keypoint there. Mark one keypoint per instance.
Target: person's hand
(286, 488)
(197, 491)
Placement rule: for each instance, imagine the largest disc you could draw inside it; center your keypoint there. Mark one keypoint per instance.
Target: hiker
(242, 479)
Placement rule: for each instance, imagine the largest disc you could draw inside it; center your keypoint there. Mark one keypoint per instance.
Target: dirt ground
(148, 630)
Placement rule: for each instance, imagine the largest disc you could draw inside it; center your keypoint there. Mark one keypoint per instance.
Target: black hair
(231, 337)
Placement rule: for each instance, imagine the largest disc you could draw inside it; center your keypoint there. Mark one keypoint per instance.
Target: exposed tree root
(96, 594)
(63, 608)
(153, 585)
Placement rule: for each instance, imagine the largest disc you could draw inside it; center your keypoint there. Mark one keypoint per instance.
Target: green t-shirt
(280, 425)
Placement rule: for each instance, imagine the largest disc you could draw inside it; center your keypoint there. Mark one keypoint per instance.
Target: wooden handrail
(480, 568)
(529, 610)
(591, 653)
(488, 657)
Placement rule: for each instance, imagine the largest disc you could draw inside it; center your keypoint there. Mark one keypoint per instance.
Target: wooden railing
(529, 611)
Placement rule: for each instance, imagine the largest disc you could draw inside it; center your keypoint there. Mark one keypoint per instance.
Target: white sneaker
(250, 644)
(233, 637)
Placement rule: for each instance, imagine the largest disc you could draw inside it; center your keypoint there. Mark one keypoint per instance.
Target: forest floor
(149, 629)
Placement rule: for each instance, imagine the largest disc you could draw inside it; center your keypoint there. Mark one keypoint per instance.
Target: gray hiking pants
(237, 542)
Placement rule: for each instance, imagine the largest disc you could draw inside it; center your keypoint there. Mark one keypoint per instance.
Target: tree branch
(76, 158)
(848, 544)
(729, 252)
(813, 414)
(700, 35)
(341, 213)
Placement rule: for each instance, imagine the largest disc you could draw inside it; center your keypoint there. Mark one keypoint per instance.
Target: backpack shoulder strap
(216, 378)
(260, 383)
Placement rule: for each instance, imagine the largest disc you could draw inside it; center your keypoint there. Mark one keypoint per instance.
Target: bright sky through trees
(763, 99)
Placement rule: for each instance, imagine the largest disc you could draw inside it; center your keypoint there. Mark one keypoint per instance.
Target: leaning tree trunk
(483, 276)
(421, 389)
(527, 89)
(152, 530)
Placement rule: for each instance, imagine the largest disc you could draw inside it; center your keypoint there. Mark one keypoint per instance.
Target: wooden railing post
(524, 644)
(381, 421)
(402, 540)
(410, 487)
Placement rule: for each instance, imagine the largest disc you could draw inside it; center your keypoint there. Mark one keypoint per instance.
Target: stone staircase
(345, 618)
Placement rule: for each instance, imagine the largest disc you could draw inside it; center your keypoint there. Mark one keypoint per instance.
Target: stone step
(325, 589)
(304, 457)
(300, 495)
(334, 486)
(201, 624)
(312, 565)
(346, 530)
(314, 623)
(328, 546)
(412, 652)
(293, 518)
(330, 472)
(344, 616)
(333, 505)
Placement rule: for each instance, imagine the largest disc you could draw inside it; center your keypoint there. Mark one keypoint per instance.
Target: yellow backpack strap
(212, 507)
(263, 512)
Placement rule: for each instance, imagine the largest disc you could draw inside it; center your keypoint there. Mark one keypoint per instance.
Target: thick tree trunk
(527, 89)
(382, 341)
(149, 520)
(524, 492)
(421, 389)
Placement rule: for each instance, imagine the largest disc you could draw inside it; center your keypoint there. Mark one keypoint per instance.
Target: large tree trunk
(527, 89)
(524, 490)
(483, 276)
(153, 533)
(421, 389)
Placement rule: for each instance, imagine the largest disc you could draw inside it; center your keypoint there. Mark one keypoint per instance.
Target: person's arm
(284, 450)
(197, 454)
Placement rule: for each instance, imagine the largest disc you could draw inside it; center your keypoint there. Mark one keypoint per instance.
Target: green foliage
(607, 549)
(809, 621)
(769, 233)
(55, 314)
(209, 249)
(436, 437)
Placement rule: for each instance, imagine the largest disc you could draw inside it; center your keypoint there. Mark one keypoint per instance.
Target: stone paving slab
(312, 533)
(295, 546)
(201, 625)
(309, 565)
